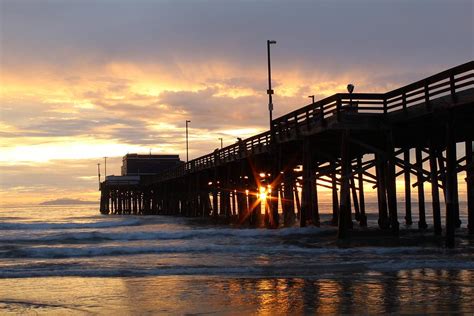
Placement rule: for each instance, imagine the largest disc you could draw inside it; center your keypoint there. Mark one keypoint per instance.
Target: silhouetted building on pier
(135, 164)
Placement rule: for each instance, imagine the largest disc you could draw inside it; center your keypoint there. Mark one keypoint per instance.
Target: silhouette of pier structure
(345, 142)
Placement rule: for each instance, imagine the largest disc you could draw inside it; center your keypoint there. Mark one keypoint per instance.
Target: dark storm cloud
(330, 35)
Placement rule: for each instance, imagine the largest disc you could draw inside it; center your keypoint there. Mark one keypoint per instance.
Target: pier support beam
(242, 214)
(215, 188)
(242, 203)
(355, 199)
(255, 207)
(104, 197)
(457, 218)
(275, 180)
(344, 211)
(363, 216)
(435, 190)
(315, 200)
(392, 186)
(451, 179)
(288, 202)
(381, 192)
(421, 193)
(335, 199)
(309, 184)
(407, 176)
(470, 185)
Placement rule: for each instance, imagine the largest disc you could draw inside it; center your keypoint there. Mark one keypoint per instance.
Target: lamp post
(350, 89)
(105, 167)
(220, 138)
(312, 100)
(270, 91)
(98, 172)
(187, 144)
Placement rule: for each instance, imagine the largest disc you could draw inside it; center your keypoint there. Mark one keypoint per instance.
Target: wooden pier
(344, 142)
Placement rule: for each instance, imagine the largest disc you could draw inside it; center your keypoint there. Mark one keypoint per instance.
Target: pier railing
(445, 83)
(241, 149)
(448, 82)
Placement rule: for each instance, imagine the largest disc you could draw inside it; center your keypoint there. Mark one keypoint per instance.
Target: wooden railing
(239, 150)
(445, 83)
(448, 82)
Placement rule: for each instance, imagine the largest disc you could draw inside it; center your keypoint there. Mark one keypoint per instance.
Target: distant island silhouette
(67, 202)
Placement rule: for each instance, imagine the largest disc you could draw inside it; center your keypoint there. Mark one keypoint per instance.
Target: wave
(96, 236)
(242, 249)
(435, 263)
(46, 226)
(326, 270)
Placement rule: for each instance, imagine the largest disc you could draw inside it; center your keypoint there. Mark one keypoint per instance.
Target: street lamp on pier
(270, 91)
(105, 167)
(220, 138)
(98, 172)
(350, 89)
(187, 143)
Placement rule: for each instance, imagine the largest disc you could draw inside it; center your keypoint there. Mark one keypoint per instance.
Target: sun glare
(262, 193)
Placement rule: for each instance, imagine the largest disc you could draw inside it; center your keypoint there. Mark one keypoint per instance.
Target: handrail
(237, 150)
(422, 91)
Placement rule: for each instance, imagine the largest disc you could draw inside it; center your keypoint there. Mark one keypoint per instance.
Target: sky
(80, 80)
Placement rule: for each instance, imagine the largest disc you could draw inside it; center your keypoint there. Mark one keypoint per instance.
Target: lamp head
(350, 87)
(271, 42)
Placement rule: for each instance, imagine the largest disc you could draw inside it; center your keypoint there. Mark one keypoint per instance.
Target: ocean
(72, 260)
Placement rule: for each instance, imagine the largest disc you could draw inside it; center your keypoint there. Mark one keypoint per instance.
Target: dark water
(72, 260)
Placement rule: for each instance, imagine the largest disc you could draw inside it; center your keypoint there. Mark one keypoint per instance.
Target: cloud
(332, 35)
(85, 79)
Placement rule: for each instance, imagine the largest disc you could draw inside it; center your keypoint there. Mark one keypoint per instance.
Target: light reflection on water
(407, 291)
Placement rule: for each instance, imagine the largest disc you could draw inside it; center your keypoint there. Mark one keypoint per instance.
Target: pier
(344, 142)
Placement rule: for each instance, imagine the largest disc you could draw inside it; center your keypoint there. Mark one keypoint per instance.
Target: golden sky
(80, 80)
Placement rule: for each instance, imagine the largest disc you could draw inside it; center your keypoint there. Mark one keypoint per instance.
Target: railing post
(307, 119)
(338, 109)
(385, 105)
(453, 88)
(404, 101)
(427, 97)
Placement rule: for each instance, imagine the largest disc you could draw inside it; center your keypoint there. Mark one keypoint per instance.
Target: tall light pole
(98, 172)
(270, 91)
(105, 167)
(187, 144)
(220, 138)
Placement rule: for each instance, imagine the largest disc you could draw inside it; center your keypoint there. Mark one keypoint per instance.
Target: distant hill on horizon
(67, 202)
